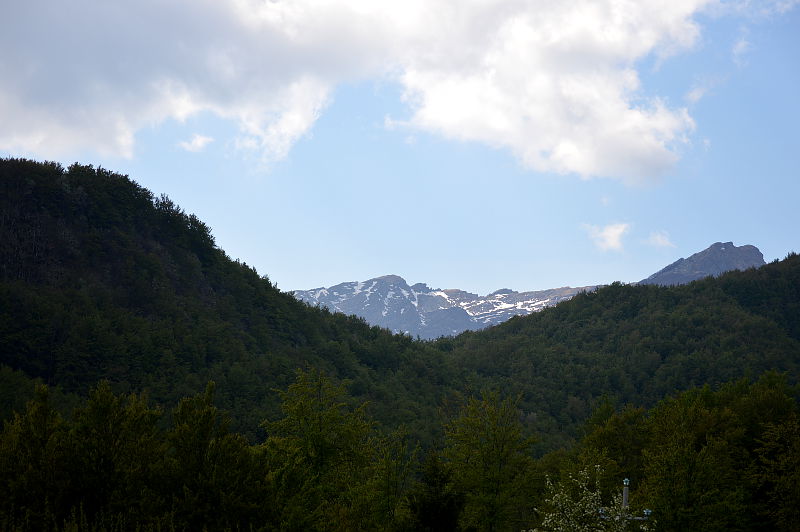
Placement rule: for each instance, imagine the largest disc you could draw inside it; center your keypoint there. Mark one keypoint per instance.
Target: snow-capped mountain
(429, 313)
(426, 312)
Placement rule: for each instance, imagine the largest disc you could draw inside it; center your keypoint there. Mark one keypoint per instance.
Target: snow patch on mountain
(428, 313)
(419, 310)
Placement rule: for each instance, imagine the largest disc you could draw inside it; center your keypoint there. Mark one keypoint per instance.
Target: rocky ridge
(419, 310)
(429, 313)
(717, 259)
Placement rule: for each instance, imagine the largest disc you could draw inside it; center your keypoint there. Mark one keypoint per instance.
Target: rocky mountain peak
(502, 291)
(715, 260)
(388, 301)
(391, 279)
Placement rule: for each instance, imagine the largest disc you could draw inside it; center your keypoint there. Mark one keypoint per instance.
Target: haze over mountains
(388, 301)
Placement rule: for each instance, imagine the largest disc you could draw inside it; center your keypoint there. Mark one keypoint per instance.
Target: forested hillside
(638, 344)
(100, 279)
(106, 287)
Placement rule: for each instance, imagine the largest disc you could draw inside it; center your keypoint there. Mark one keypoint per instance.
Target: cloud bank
(553, 82)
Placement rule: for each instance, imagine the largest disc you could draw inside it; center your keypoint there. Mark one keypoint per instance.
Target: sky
(473, 144)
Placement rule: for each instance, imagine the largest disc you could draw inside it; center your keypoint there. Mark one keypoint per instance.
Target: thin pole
(625, 484)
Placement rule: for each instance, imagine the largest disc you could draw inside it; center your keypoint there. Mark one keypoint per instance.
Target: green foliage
(394, 460)
(722, 459)
(318, 424)
(637, 344)
(114, 446)
(321, 446)
(110, 467)
(102, 281)
(696, 458)
(216, 478)
(489, 460)
(702, 446)
(435, 504)
(777, 471)
(617, 444)
(34, 485)
(16, 389)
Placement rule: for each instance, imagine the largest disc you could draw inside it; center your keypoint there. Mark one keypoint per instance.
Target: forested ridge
(638, 344)
(103, 280)
(106, 287)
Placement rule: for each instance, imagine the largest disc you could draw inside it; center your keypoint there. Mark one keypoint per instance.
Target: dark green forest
(149, 381)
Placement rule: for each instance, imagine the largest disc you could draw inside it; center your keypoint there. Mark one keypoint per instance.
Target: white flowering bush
(576, 505)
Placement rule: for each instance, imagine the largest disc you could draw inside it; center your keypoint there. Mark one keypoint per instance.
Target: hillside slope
(637, 344)
(100, 279)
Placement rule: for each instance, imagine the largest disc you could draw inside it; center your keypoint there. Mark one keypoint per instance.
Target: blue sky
(475, 145)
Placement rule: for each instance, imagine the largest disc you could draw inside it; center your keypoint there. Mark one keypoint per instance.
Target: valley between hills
(148, 381)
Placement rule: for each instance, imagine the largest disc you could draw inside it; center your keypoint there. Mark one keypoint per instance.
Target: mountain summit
(388, 301)
(717, 259)
(429, 313)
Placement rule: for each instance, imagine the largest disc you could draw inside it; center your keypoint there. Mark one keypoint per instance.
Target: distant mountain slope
(718, 258)
(429, 313)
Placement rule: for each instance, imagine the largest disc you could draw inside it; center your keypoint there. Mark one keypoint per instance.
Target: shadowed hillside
(101, 279)
(316, 421)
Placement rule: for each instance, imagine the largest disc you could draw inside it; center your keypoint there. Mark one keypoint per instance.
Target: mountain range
(428, 313)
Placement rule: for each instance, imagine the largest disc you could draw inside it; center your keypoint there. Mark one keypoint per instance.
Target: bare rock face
(428, 313)
(713, 261)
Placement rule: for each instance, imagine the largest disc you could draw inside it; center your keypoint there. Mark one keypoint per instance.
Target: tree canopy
(117, 310)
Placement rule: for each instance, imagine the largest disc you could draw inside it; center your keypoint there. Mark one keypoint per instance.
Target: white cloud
(554, 82)
(608, 237)
(82, 75)
(196, 143)
(660, 239)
